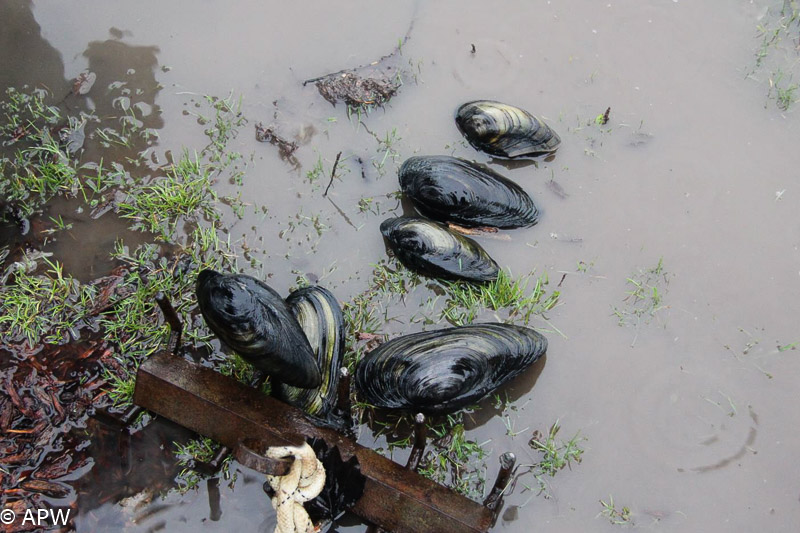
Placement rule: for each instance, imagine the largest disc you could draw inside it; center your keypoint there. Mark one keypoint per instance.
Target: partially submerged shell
(251, 318)
(443, 371)
(504, 130)
(433, 250)
(322, 321)
(450, 189)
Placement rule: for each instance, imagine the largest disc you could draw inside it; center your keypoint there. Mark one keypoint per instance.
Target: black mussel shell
(253, 320)
(322, 321)
(449, 189)
(442, 371)
(504, 130)
(432, 249)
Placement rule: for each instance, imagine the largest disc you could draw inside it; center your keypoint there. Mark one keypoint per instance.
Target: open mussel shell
(449, 189)
(322, 321)
(252, 319)
(504, 130)
(443, 371)
(431, 249)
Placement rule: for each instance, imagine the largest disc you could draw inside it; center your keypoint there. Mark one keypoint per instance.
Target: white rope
(303, 483)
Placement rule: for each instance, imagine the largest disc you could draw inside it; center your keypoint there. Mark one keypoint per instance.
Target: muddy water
(691, 413)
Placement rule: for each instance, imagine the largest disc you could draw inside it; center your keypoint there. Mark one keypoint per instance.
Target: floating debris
(286, 149)
(365, 87)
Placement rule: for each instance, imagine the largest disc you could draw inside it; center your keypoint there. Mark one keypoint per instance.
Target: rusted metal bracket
(494, 501)
(395, 498)
(420, 440)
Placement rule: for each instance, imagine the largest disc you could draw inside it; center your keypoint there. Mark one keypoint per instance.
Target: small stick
(606, 116)
(333, 173)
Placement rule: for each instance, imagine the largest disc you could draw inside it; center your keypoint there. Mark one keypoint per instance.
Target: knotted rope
(304, 482)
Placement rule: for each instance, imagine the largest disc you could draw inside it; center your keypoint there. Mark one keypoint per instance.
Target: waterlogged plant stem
(333, 173)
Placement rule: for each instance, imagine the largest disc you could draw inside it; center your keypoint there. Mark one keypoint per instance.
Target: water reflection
(27, 58)
(131, 468)
(122, 102)
(126, 83)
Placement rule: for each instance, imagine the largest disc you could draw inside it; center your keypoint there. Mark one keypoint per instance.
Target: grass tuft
(185, 193)
(618, 517)
(465, 301)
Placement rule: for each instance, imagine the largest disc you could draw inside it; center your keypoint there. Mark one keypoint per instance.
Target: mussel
(321, 319)
(449, 189)
(431, 249)
(442, 371)
(253, 320)
(504, 130)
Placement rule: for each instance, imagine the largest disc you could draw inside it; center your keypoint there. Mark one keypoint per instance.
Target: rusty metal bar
(251, 453)
(420, 440)
(225, 410)
(174, 321)
(494, 501)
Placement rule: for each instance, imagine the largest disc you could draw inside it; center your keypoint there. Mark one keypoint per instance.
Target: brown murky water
(691, 415)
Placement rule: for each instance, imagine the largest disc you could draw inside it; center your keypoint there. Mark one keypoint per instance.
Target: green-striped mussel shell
(321, 319)
(504, 130)
(433, 250)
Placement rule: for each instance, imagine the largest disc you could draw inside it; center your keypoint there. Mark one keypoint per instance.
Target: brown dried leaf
(15, 399)
(16, 459)
(6, 415)
(48, 488)
(57, 468)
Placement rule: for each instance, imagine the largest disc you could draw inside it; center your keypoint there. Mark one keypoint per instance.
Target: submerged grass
(555, 454)
(35, 167)
(185, 192)
(197, 450)
(454, 460)
(776, 55)
(46, 308)
(618, 517)
(645, 297)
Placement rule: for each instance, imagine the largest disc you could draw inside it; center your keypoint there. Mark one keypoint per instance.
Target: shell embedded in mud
(504, 130)
(321, 319)
(443, 371)
(431, 249)
(449, 189)
(253, 319)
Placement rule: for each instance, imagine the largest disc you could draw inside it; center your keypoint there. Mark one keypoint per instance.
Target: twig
(333, 173)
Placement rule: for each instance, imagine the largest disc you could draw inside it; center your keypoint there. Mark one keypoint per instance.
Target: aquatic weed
(556, 453)
(776, 53)
(465, 300)
(45, 308)
(646, 297)
(617, 517)
(194, 451)
(454, 460)
(185, 192)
